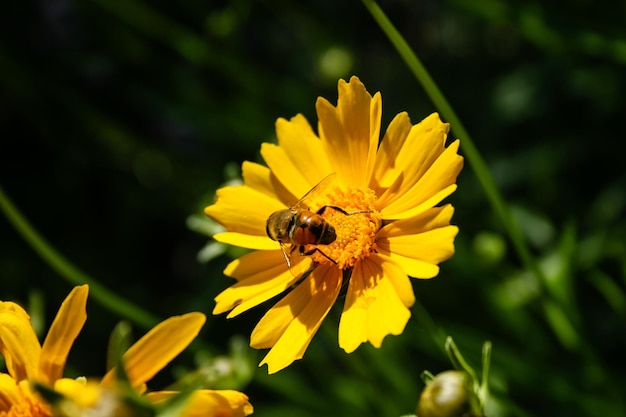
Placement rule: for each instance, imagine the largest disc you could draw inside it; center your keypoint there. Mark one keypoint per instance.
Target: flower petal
(18, 342)
(287, 172)
(158, 347)
(421, 242)
(10, 394)
(80, 392)
(261, 276)
(386, 169)
(409, 154)
(289, 326)
(413, 267)
(247, 241)
(374, 307)
(208, 403)
(261, 179)
(434, 246)
(432, 218)
(350, 132)
(303, 147)
(433, 186)
(64, 330)
(243, 209)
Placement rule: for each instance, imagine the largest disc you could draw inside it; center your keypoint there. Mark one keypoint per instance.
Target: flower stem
(71, 273)
(471, 153)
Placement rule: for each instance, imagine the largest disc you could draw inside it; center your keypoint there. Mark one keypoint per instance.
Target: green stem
(471, 153)
(71, 273)
(437, 333)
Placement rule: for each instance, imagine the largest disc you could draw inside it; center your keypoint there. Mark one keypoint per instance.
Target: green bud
(449, 394)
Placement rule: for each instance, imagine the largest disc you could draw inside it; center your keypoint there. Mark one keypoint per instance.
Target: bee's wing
(286, 250)
(294, 260)
(316, 190)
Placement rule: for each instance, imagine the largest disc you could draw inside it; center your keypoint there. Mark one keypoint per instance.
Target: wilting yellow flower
(381, 203)
(27, 361)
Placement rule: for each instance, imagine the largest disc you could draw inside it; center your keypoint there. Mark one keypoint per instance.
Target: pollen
(356, 227)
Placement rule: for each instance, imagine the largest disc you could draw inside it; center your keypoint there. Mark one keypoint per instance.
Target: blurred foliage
(119, 119)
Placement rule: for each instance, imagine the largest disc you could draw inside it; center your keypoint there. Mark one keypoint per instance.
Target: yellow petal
(439, 180)
(18, 342)
(430, 219)
(79, 391)
(303, 148)
(260, 179)
(373, 307)
(261, 276)
(418, 244)
(410, 153)
(16, 309)
(432, 201)
(350, 132)
(247, 241)
(9, 394)
(64, 329)
(387, 169)
(411, 266)
(433, 246)
(158, 347)
(397, 277)
(242, 209)
(209, 403)
(287, 172)
(289, 326)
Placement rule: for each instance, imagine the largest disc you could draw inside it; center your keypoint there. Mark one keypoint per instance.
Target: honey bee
(298, 226)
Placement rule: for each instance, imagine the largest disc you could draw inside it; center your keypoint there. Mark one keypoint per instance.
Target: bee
(298, 226)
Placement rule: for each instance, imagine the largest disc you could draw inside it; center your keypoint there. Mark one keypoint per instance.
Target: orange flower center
(356, 227)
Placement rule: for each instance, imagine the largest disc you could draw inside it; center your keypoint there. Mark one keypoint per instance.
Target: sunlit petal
(427, 238)
(285, 170)
(411, 266)
(18, 342)
(303, 148)
(409, 157)
(242, 209)
(290, 325)
(350, 132)
(79, 391)
(64, 329)
(208, 403)
(386, 169)
(432, 218)
(373, 308)
(260, 276)
(260, 178)
(440, 175)
(9, 393)
(247, 241)
(158, 347)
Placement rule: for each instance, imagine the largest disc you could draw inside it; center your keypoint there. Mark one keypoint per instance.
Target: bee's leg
(323, 209)
(312, 251)
(339, 209)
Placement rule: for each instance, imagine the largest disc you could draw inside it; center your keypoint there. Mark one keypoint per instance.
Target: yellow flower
(161, 345)
(381, 203)
(141, 362)
(28, 361)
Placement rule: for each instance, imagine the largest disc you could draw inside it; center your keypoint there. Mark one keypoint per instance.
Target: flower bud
(449, 394)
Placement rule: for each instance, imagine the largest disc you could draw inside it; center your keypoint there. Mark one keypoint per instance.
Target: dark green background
(118, 120)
